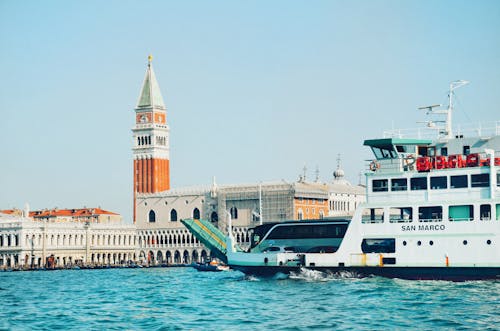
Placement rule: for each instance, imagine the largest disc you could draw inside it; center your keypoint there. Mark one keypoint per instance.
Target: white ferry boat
(432, 212)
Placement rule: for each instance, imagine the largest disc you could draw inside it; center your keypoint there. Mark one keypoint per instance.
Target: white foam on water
(320, 276)
(252, 278)
(280, 276)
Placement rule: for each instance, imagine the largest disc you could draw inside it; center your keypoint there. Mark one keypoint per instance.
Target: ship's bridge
(395, 154)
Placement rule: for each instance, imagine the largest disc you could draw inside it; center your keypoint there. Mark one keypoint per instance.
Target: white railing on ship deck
(463, 130)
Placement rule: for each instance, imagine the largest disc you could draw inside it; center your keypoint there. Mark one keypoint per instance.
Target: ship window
(466, 150)
(481, 180)
(379, 245)
(379, 185)
(373, 215)
(430, 214)
(400, 215)
(405, 148)
(485, 212)
(461, 213)
(498, 212)
(418, 183)
(399, 184)
(444, 151)
(439, 183)
(458, 181)
(308, 231)
(422, 150)
(385, 152)
(498, 179)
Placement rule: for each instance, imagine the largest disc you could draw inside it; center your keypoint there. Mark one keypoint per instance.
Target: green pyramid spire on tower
(150, 96)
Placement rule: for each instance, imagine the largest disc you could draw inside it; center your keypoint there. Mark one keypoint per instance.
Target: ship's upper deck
(424, 170)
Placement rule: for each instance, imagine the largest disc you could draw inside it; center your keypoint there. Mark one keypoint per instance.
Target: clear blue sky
(254, 89)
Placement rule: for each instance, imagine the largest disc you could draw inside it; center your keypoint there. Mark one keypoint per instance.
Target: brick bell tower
(151, 140)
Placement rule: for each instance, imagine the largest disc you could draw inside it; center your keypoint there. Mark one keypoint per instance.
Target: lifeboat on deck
(424, 164)
(455, 161)
(440, 162)
(472, 160)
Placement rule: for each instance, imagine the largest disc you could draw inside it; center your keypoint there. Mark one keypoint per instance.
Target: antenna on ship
(447, 130)
(260, 203)
(453, 86)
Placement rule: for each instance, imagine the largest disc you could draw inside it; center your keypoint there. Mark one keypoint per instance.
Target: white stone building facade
(25, 243)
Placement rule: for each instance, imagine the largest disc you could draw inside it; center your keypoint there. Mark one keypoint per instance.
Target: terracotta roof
(64, 212)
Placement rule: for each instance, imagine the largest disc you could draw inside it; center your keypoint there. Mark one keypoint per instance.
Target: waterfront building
(163, 238)
(25, 243)
(158, 210)
(343, 196)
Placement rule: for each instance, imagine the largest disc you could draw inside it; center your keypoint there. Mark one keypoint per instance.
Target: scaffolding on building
(276, 199)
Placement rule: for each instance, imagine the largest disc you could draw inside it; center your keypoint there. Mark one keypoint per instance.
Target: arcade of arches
(26, 244)
(178, 246)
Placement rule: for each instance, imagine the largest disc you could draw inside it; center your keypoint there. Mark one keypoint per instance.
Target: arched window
(300, 215)
(321, 215)
(173, 215)
(234, 213)
(196, 214)
(214, 217)
(152, 216)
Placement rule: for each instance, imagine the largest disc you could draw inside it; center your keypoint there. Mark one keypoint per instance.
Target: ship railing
(400, 220)
(390, 165)
(427, 220)
(460, 131)
(367, 219)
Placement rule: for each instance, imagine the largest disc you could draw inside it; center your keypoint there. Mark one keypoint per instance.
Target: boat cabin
(299, 236)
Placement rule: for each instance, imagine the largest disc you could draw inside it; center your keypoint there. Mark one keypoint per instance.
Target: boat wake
(277, 276)
(320, 276)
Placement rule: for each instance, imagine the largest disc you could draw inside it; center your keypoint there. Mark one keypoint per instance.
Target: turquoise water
(185, 299)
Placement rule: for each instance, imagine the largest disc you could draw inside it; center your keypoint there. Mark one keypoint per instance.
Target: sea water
(185, 299)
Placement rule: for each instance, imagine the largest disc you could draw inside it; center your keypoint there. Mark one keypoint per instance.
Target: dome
(338, 174)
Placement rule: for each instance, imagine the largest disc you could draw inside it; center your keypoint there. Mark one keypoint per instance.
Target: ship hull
(412, 273)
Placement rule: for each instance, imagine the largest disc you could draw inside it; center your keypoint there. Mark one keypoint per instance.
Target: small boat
(212, 266)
